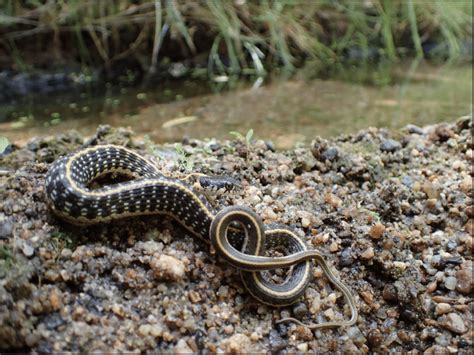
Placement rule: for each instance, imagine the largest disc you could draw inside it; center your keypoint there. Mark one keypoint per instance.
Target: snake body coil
(68, 189)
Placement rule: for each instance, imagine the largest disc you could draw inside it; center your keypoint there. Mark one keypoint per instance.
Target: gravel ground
(391, 211)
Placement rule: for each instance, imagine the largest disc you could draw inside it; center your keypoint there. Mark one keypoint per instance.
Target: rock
(144, 329)
(332, 200)
(167, 268)
(156, 330)
(347, 258)
(430, 190)
(470, 242)
(306, 161)
(182, 348)
(412, 129)
(367, 254)
(330, 154)
(450, 283)
(453, 322)
(451, 245)
(269, 215)
(305, 222)
(376, 231)
(303, 333)
(303, 347)
(465, 281)
(53, 321)
(236, 344)
(300, 310)
(469, 227)
(436, 350)
(223, 291)
(466, 185)
(356, 335)
(442, 308)
(407, 181)
(6, 229)
(55, 300)
(469, 211)
(194, 297)
(390, 145)
(277, 343)
(443, 133)
(333, 247)
(390, 293)
(228, 329)
(27, 249)
(375, 338)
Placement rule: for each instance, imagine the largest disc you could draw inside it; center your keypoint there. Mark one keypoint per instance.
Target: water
(286, 112)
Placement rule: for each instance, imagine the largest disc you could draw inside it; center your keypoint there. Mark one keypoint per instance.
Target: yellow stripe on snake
(150, 192)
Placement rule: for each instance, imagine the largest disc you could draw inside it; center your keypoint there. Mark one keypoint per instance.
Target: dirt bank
(392, 214)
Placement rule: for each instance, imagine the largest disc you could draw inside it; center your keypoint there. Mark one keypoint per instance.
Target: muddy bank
(393, 215)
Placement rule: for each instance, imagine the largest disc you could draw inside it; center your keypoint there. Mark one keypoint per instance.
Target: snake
(237, 233)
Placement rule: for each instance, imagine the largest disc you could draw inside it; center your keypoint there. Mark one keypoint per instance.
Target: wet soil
(392, 212)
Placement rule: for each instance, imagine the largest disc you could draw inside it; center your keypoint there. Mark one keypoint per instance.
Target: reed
(233, 37)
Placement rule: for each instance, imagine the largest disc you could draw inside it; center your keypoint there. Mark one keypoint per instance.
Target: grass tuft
(234, 37)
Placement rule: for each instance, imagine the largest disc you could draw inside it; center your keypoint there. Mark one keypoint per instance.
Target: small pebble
(305, 222)
(182, 348)
(223, 291)
(277, 343)
(465, 281)
(55, 299)
(300, 310)
(167, 267)
(389, 293)
(375, 338)
(304, 333)
(194, 297)
(347, 257)
(330, 154)
(450, 283)
(333, 247)
(443, 132)
(368, 254)
(453, 322)
(469, 211)
(390, 145)
(27, 249)
(6, 228)
(412, 129)
(237, 343)
(356, 335)
(254, 336)
(466, 185)
(269, 214)
(332, 200)
(442, 308)
(407, 181)
(228, 329)
(376, 231)
(303, 347)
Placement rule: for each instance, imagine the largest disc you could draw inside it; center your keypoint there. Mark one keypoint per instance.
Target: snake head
(218, 182)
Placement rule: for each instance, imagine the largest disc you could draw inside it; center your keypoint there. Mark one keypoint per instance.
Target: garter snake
(71, 197)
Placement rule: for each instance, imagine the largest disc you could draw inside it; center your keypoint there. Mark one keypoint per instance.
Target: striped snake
(71, 197)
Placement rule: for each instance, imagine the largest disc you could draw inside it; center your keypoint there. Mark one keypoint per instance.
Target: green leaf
(237, 135)
(249, 135)
(4, 143)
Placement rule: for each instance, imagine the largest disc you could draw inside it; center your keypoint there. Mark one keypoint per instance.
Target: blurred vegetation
(228, 37)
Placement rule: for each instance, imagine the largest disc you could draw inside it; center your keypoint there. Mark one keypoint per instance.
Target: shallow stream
(284, 111)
